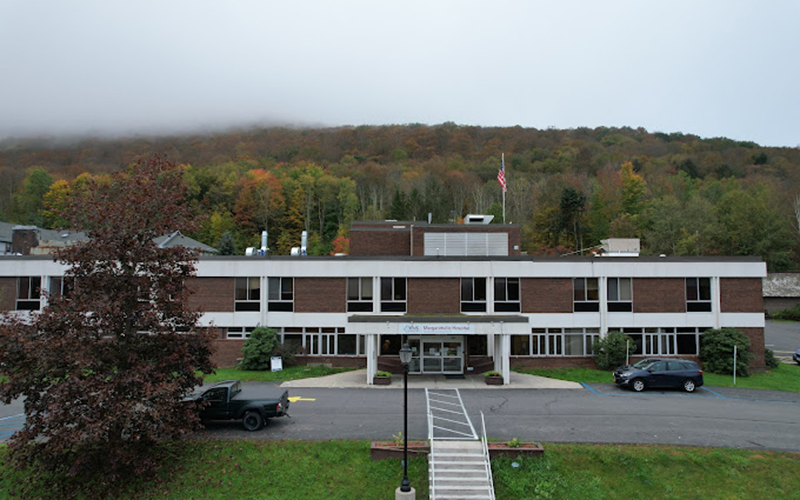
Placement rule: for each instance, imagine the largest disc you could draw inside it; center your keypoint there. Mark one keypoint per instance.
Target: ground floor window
(665, 341)
(315, 341)
(555, 342)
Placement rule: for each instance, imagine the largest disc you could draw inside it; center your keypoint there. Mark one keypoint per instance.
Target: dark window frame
(396, 300)
(510, 296)
(698, 296)
(361, 300)
(251, 300)
(473, 299)
(280, 297)
(29, 293)
(585, 298)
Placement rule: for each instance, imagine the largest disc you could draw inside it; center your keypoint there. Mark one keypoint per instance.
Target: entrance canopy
(442, 333)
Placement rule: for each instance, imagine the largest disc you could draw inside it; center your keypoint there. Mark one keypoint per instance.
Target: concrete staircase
(458, 462)
(459, 470)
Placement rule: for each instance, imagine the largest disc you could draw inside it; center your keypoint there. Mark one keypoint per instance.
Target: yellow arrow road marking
(298, 398)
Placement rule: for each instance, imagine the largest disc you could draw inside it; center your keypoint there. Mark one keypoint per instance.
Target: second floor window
(586, 296)
(280, 296)
(247, 294)
(473, 294)
(359, 294)
(620, 296)
(698, 294)
(393, 295)
(28, 293)
(506, 295)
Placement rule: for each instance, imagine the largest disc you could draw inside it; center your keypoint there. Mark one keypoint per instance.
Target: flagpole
(503, 162)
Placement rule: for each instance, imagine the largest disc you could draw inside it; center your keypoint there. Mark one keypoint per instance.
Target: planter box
(382, 450)
(381, 380)
(524, 449)
(494, 380)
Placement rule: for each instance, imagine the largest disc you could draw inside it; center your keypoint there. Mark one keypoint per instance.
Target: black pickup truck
(225, 401)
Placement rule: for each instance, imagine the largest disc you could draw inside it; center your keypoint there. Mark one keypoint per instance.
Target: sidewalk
(358, 378)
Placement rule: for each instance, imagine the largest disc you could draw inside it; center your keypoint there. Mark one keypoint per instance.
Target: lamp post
(405, 486)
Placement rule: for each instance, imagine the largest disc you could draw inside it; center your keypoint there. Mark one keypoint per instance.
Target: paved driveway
(783, 338)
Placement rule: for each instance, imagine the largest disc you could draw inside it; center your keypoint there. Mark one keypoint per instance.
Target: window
(586, 297)
(247, 294)
(347, 345)
(393, 295)
(698, 294)
(60, 285)
(280, 296)
(664, 341)
(359, 294)
(620, 297)
(556, 342)
(238, 332)
(29, 293)
(506, 295)
(473, 294)
(520, 345)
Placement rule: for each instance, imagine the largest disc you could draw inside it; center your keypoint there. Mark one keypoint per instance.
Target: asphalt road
(600, 413)
(783, 339)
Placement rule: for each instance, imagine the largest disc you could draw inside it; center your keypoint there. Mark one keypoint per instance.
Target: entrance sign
(435, 328)
(276, 363)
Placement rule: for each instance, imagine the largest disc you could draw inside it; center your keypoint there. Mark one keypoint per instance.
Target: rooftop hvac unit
(478, 219)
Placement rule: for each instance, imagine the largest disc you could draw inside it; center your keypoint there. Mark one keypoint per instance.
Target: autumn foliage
(104, 366)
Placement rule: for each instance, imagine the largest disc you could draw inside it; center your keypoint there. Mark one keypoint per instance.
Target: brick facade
(756, 336)
(384, 241)
(8, 294)
(741, 295)
(321, 295)
(211, 294)
(546, 295)
(434, 295)
(659, 295)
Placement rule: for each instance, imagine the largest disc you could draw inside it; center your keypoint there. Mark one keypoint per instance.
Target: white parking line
(12, 416)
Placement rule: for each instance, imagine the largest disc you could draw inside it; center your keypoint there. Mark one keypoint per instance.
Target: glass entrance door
(443, 355)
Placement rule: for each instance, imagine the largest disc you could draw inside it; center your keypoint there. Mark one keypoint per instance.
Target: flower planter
(382, 450)
(381, 380)
(524, 449)
(494, 380)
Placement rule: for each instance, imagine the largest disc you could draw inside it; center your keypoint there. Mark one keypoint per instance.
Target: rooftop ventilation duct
(478, 219)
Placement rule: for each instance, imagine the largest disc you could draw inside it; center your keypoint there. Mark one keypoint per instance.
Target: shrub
(257, 350)
(492, 374)
(770, 359)
(791, 314)
(383, 374)
(716, 349)
(611, 351)
(288, 352)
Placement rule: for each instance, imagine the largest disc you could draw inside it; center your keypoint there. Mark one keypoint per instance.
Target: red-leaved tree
(104, 366)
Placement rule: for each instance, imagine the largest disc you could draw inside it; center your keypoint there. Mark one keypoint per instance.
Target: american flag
(501, 175)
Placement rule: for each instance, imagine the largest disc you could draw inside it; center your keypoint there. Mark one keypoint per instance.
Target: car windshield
(643, 364)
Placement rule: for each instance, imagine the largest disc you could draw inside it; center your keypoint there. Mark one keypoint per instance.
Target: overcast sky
(712, 68)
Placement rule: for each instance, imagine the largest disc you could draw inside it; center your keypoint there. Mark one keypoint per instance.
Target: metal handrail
(488, 460)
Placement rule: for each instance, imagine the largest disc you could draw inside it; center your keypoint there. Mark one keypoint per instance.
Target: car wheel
(638, 385)
(688, 385)
(252, 421)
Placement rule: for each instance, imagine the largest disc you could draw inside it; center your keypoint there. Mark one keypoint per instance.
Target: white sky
(713, 68)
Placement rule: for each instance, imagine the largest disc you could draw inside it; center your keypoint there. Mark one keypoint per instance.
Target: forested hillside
(567, 189)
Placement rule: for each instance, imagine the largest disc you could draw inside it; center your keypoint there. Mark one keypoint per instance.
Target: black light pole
(405, 358)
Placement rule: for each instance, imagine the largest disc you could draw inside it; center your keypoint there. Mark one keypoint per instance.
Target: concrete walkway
(358, 378)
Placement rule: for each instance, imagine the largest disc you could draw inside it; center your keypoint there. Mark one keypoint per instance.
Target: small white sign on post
(276, 363)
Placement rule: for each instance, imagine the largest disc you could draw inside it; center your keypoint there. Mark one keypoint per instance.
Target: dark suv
(660, 373)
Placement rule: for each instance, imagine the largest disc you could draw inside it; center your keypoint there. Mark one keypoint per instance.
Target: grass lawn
(309, 470)
(290, 373)
(784, 378)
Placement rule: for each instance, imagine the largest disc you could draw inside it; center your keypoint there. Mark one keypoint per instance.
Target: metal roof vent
(478, 219)
(621, 247)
